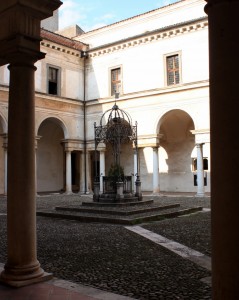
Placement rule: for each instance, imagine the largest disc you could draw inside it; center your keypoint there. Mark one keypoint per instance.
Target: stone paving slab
(193, 231)
(182, 250)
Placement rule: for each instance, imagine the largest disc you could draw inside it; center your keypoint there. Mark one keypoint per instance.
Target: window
(205, 164)
(115, 81)
(173, 69)
(53, 80)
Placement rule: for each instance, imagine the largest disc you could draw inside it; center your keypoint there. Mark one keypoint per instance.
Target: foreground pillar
(22, 264)
(224, 108)
(200, 172)
(20, 46)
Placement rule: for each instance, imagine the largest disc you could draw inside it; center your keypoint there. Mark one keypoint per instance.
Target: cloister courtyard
(119, 259)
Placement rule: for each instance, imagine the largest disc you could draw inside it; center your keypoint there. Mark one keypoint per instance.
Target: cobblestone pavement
(112, 258)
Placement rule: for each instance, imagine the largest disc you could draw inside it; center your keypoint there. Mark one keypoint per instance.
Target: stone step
(114, 200)
(125, 220)
(121, 204)
(118, 211)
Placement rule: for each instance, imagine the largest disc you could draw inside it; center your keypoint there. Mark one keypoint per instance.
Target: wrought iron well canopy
(116, 128)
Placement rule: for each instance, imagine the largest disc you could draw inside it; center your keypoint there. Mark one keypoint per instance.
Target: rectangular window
(115, 81)
(53, 80)
(173, 69)
(205, 164)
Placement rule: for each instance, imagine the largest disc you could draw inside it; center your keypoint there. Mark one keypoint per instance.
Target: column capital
(199, 145)
(101, 147)
(155, 148)
(20, 27)
(149, 140)
(73, 145)
(211, 3)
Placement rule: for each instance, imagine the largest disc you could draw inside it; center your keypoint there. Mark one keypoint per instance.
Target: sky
(94, 14)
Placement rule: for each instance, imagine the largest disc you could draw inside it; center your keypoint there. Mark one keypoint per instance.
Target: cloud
(108, 16)
(71, 12)
(101, 21)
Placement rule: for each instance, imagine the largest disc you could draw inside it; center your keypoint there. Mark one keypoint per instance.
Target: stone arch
(50, 155)
(56, 120)
(178, 142)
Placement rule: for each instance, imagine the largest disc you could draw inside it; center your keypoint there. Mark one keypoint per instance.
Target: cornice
(151, 93)
(151, 36)
(200, 131)
(60, 48)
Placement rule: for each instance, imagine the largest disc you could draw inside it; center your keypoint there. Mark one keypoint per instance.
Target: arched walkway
(50, 156)
(176, 145)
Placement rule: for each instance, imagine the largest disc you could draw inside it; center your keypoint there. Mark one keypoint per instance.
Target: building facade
(157, 64)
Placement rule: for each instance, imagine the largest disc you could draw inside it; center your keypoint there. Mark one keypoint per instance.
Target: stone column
(102, 169)
(36, 145)
(82, 174)
(88, 172)
(135, 170)
(20, 47)
(224, 107)
(156, 188)
(200, 171)
(135, 163)
(22, 265)
(68, 173)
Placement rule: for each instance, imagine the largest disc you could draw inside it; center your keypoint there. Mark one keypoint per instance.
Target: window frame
(111, 82)
(166, 74)
(58, 80)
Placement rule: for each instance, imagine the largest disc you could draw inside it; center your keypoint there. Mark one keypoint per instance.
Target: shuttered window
(173, 71)
(53, 81)
(115, 81)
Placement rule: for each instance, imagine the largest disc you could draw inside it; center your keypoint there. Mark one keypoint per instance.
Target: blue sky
(93, 14)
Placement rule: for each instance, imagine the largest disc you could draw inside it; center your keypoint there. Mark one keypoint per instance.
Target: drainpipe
(84, 55)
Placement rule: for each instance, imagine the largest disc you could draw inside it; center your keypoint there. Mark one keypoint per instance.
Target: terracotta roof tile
(59, 39)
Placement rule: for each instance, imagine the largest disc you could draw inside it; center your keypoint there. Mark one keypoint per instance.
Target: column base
(68, 193)
(156, 194)
(23, 280)
(200, 195)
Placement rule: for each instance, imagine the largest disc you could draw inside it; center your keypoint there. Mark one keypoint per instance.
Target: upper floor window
(53, 80)
(173, 69)
(115, 81)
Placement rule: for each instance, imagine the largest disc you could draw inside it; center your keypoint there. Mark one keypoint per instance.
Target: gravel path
(112, 258)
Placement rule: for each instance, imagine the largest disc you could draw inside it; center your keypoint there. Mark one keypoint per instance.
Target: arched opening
(50, 157)
(177, 142)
